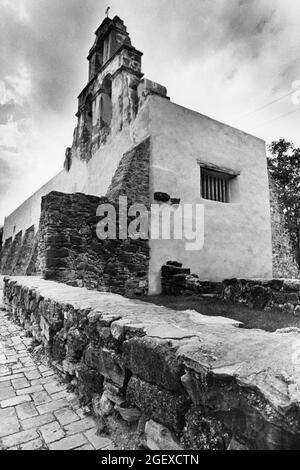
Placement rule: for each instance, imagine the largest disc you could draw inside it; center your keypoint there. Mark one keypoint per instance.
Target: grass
(251, 318)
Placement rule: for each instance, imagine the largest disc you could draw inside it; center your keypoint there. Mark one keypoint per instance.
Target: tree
(284, 167)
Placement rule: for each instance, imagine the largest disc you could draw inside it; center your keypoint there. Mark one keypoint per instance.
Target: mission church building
(132, 140)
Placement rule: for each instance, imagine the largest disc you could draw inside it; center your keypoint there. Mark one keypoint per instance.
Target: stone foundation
(282, 294)
(177, 280)
(184, 380)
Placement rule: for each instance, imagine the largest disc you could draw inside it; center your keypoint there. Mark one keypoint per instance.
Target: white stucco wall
(237, 235)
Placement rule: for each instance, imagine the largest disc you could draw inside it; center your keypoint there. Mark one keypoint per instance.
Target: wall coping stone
(211, 351)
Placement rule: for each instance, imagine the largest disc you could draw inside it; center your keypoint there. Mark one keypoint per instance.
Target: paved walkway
(36, 410)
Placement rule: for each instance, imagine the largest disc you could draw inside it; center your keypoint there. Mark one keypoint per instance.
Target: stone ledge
(223, 384)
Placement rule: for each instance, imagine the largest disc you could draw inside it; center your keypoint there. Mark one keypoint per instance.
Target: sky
(237, 61)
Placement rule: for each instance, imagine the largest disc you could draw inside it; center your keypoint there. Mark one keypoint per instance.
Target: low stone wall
(177, 280)
(180, 379)
(280, 294)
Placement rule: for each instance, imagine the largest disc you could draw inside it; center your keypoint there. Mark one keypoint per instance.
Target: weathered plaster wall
(237, 235)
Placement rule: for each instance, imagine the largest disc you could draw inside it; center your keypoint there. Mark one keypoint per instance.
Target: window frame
(223, 174)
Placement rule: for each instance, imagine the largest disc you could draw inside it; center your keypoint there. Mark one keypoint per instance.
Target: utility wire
(280, 117)
(266, 105)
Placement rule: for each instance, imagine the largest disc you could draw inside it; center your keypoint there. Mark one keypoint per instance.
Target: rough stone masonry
(189, 381)
(275, 294)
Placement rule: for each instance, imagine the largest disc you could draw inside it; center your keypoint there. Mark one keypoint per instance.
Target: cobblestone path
(36, 410)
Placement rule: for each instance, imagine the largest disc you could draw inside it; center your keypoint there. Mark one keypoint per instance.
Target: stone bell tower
(109, 102)
(110, 35)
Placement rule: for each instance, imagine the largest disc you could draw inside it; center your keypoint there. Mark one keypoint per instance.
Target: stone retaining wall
(180, 379)
(282, 294)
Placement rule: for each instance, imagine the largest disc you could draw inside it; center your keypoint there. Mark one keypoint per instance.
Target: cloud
(6, 173)
(11, 111)
(222, 58)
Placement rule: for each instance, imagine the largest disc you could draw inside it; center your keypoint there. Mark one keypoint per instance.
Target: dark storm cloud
(53, 44)
(200, 27)
(56, 39)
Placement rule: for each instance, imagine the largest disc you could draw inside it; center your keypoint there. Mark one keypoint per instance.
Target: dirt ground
(251, 318)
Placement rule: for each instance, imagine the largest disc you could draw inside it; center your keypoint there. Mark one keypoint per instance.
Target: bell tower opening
(109, 38)
(106, 103)
(89, 113)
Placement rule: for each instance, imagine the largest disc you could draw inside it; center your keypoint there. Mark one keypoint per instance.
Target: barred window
(219, 184)
(214, 186)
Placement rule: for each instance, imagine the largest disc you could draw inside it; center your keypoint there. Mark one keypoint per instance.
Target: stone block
(174, 263)
(114, 393)
(297, 311)
(165, 407)
(154, 361)
(162, 197)
(58, 344)
(159, 437)
(279, 298)
(147, 87)
(274, 284)
(204, 433)
(102, 406)
(90, 382)
(130, 415)
(169, 271)
(76, 343)
(291, 285)
(107, 363)
(259, 297)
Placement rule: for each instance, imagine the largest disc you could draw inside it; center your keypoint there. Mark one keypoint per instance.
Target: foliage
(1, 236)
(284, 167)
